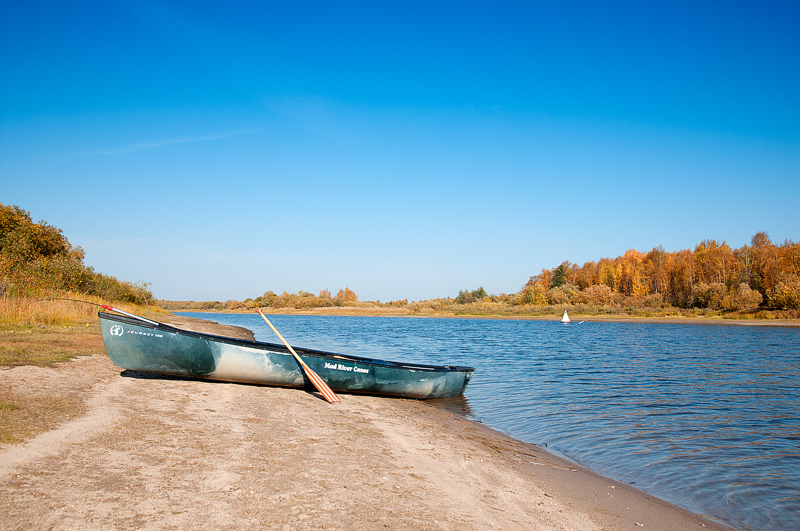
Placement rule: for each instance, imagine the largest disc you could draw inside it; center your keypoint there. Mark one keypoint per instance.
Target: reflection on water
(456, 404)
(707, 417)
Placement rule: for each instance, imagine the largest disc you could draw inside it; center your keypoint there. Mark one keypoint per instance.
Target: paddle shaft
(318, 382)
(106, 307)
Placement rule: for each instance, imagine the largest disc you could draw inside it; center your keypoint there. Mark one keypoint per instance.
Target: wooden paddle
(321, 386)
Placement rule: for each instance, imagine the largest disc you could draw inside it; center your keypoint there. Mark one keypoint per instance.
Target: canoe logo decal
(340, 367)
(116, 330)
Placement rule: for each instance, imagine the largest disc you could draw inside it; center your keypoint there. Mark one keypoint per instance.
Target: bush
(598, 295)
(743, 298)
(36, 257)
(710, 295)
(785, 294)
(306, 302)
(563, 294)
(654, 300)
(535, 295)
(286, 300)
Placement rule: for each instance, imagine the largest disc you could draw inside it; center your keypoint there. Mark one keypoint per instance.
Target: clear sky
(405, 150)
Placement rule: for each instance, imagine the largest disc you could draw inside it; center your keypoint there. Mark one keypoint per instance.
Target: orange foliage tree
(711, 275)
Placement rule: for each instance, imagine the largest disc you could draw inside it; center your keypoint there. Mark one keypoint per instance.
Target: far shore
(575, 318)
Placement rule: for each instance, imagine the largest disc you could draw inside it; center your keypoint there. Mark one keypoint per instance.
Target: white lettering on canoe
(340, 367)
(149, 334)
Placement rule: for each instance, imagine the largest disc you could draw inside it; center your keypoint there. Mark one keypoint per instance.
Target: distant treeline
(712, 275)
(36, 258)
(301, 301)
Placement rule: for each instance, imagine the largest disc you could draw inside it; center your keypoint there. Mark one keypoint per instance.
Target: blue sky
(405, 150)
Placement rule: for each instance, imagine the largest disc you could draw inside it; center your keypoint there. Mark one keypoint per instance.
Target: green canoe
(143, 345)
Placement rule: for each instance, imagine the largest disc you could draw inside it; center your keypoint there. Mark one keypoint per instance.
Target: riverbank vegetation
(756, 281)
(39, 268)
(761, 279)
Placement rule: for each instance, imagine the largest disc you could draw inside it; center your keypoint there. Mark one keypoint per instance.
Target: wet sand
(154, 452)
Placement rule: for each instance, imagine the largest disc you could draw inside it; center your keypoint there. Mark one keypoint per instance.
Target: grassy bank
(60, 309)
(44, 331)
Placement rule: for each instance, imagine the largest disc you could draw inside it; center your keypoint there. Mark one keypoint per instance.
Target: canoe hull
(137, 345)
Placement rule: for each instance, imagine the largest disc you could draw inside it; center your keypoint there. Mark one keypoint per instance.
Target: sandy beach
(154, 452)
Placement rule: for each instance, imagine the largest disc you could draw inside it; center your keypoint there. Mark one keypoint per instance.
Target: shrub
(266, 299)
(743, 298)
(36, 257)
(710, 295)
(535, 295)
(306, 302)
(786, 293)
(631, 302)
(285, 300)
(598, 295)
(654, 300)
(396, 304)
(563, 294)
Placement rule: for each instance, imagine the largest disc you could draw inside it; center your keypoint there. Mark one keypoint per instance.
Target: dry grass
(27, 312)
(43, 333)
(23, 416)
(65, 309)
(44, 346)
(25, 413)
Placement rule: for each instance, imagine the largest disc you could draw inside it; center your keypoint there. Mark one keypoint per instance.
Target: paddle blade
(318, 382)
(321, 386)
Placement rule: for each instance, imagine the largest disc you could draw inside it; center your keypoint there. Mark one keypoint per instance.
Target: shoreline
(158, 451)
(790, 323)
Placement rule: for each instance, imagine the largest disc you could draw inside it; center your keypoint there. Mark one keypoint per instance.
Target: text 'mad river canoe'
(140, 344)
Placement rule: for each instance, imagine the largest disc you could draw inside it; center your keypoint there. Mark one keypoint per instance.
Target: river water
(704, 416)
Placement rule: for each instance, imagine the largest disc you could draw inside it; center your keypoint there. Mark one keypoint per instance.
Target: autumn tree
(630, 273)
(535, 294)
(598, 295)
(544, 279)
(37, 256)
(345, 295)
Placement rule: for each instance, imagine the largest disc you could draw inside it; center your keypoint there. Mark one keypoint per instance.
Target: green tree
(559, 277)
(467, 297)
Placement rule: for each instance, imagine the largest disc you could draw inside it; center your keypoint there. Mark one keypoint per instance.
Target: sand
(154, 452)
